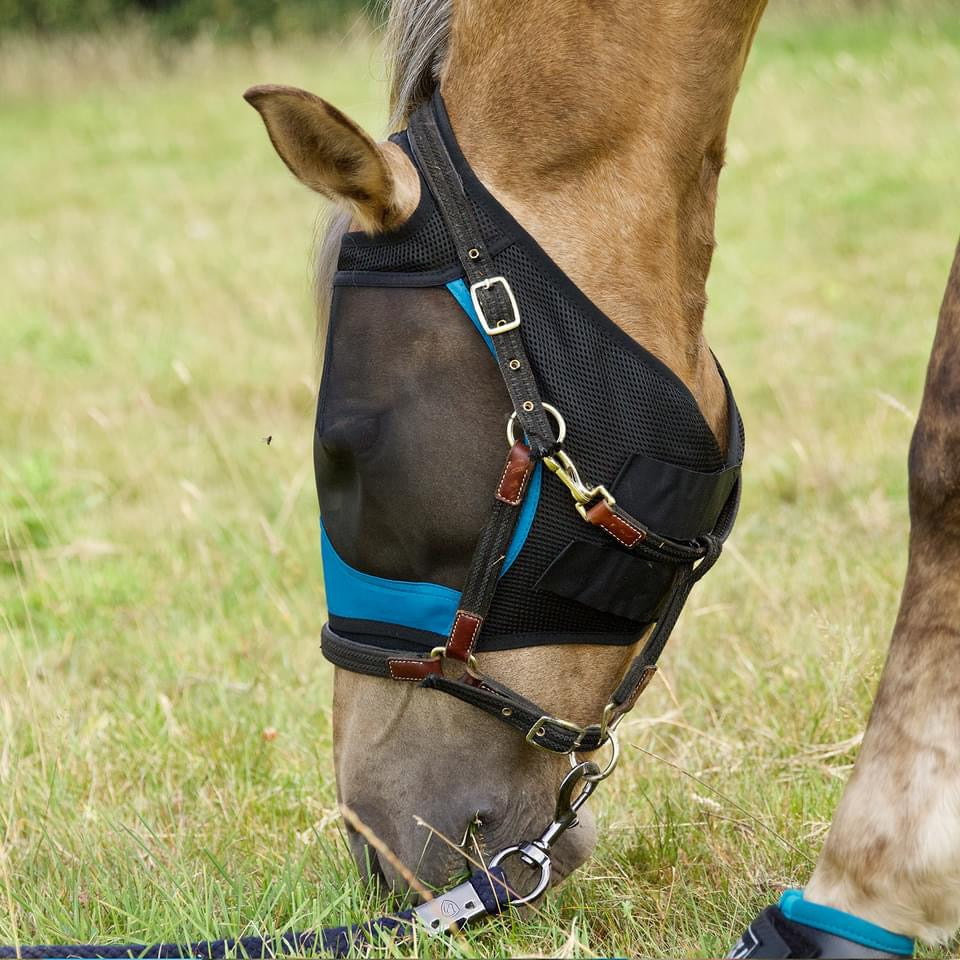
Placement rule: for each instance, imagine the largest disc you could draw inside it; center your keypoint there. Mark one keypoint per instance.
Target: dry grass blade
(384, 851)
(726, 799)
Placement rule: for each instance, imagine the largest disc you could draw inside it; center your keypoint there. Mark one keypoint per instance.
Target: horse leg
(893, 852)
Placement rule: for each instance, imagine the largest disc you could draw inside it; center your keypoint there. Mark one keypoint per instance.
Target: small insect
(267, 440)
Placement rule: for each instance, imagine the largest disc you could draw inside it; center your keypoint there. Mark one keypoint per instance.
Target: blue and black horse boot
(798, 928)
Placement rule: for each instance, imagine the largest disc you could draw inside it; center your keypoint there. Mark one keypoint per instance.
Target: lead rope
(485, 894)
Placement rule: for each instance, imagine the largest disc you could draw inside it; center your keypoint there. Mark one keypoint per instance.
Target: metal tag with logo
(446, 909)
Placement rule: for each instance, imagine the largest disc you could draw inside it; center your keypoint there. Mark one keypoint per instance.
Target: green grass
(161, 593)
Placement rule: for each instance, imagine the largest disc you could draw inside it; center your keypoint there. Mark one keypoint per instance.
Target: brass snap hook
(536, 853)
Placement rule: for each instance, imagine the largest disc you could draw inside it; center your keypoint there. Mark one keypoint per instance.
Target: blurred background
(180, 19)
(243, 18)
(165, 767)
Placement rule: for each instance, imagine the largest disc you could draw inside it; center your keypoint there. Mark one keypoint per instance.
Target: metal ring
(542, 861)
(440, 653)
(552, 410)
(611, 763)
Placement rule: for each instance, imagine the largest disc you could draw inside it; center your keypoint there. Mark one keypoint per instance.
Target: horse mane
(415, 49)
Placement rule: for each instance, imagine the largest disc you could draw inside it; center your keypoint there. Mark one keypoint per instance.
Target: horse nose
(423, 859)
(429, 858)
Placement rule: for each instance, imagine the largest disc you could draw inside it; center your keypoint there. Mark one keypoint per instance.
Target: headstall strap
(499, 314)
(492, 296)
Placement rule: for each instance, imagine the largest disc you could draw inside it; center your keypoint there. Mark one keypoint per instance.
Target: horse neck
(602, 127)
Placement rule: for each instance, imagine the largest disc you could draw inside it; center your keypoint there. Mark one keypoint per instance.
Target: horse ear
(331, 154)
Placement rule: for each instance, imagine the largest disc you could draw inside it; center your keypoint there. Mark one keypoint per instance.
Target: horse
(896, 862)
(616, 182)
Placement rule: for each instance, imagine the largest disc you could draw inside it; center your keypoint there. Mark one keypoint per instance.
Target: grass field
(165, 748)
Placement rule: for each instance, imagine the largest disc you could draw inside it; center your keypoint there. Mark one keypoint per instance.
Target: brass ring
(440, 653)
(611, 763)
(552, 410)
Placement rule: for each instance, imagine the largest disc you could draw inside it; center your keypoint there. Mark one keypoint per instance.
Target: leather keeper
(414, 670)
(516, 473)
(463, 636)
(603, 516)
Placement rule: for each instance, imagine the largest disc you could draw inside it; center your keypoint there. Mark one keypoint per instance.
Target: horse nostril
(341, 437)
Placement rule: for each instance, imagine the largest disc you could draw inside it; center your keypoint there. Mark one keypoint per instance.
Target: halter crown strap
(491, 293)
(497, 309)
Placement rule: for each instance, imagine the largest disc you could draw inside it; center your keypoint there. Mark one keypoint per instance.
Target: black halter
(676, 562)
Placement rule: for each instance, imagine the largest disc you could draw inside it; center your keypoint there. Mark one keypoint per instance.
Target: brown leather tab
(413, 670)
(516, 473)
(642, 684)
(463, 636)
(601, 515)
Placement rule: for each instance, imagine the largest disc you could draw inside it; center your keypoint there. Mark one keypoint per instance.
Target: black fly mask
(615, 497)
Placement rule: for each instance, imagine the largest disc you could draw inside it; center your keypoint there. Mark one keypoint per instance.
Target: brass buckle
(440, 653)
(504, 325)
(539, 730)
(566, 471)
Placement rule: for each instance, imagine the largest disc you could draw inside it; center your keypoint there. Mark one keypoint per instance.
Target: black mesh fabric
(616, 398)
(429, 248)
(615, 404)
(421, 245)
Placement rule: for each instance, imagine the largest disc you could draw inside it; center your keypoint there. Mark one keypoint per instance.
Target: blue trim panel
(361, 596)
(407, 603)
(843, 924)
(462, 295)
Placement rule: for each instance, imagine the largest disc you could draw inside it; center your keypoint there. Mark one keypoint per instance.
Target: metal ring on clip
(552, 410)
(611, 763)
(532, 856)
